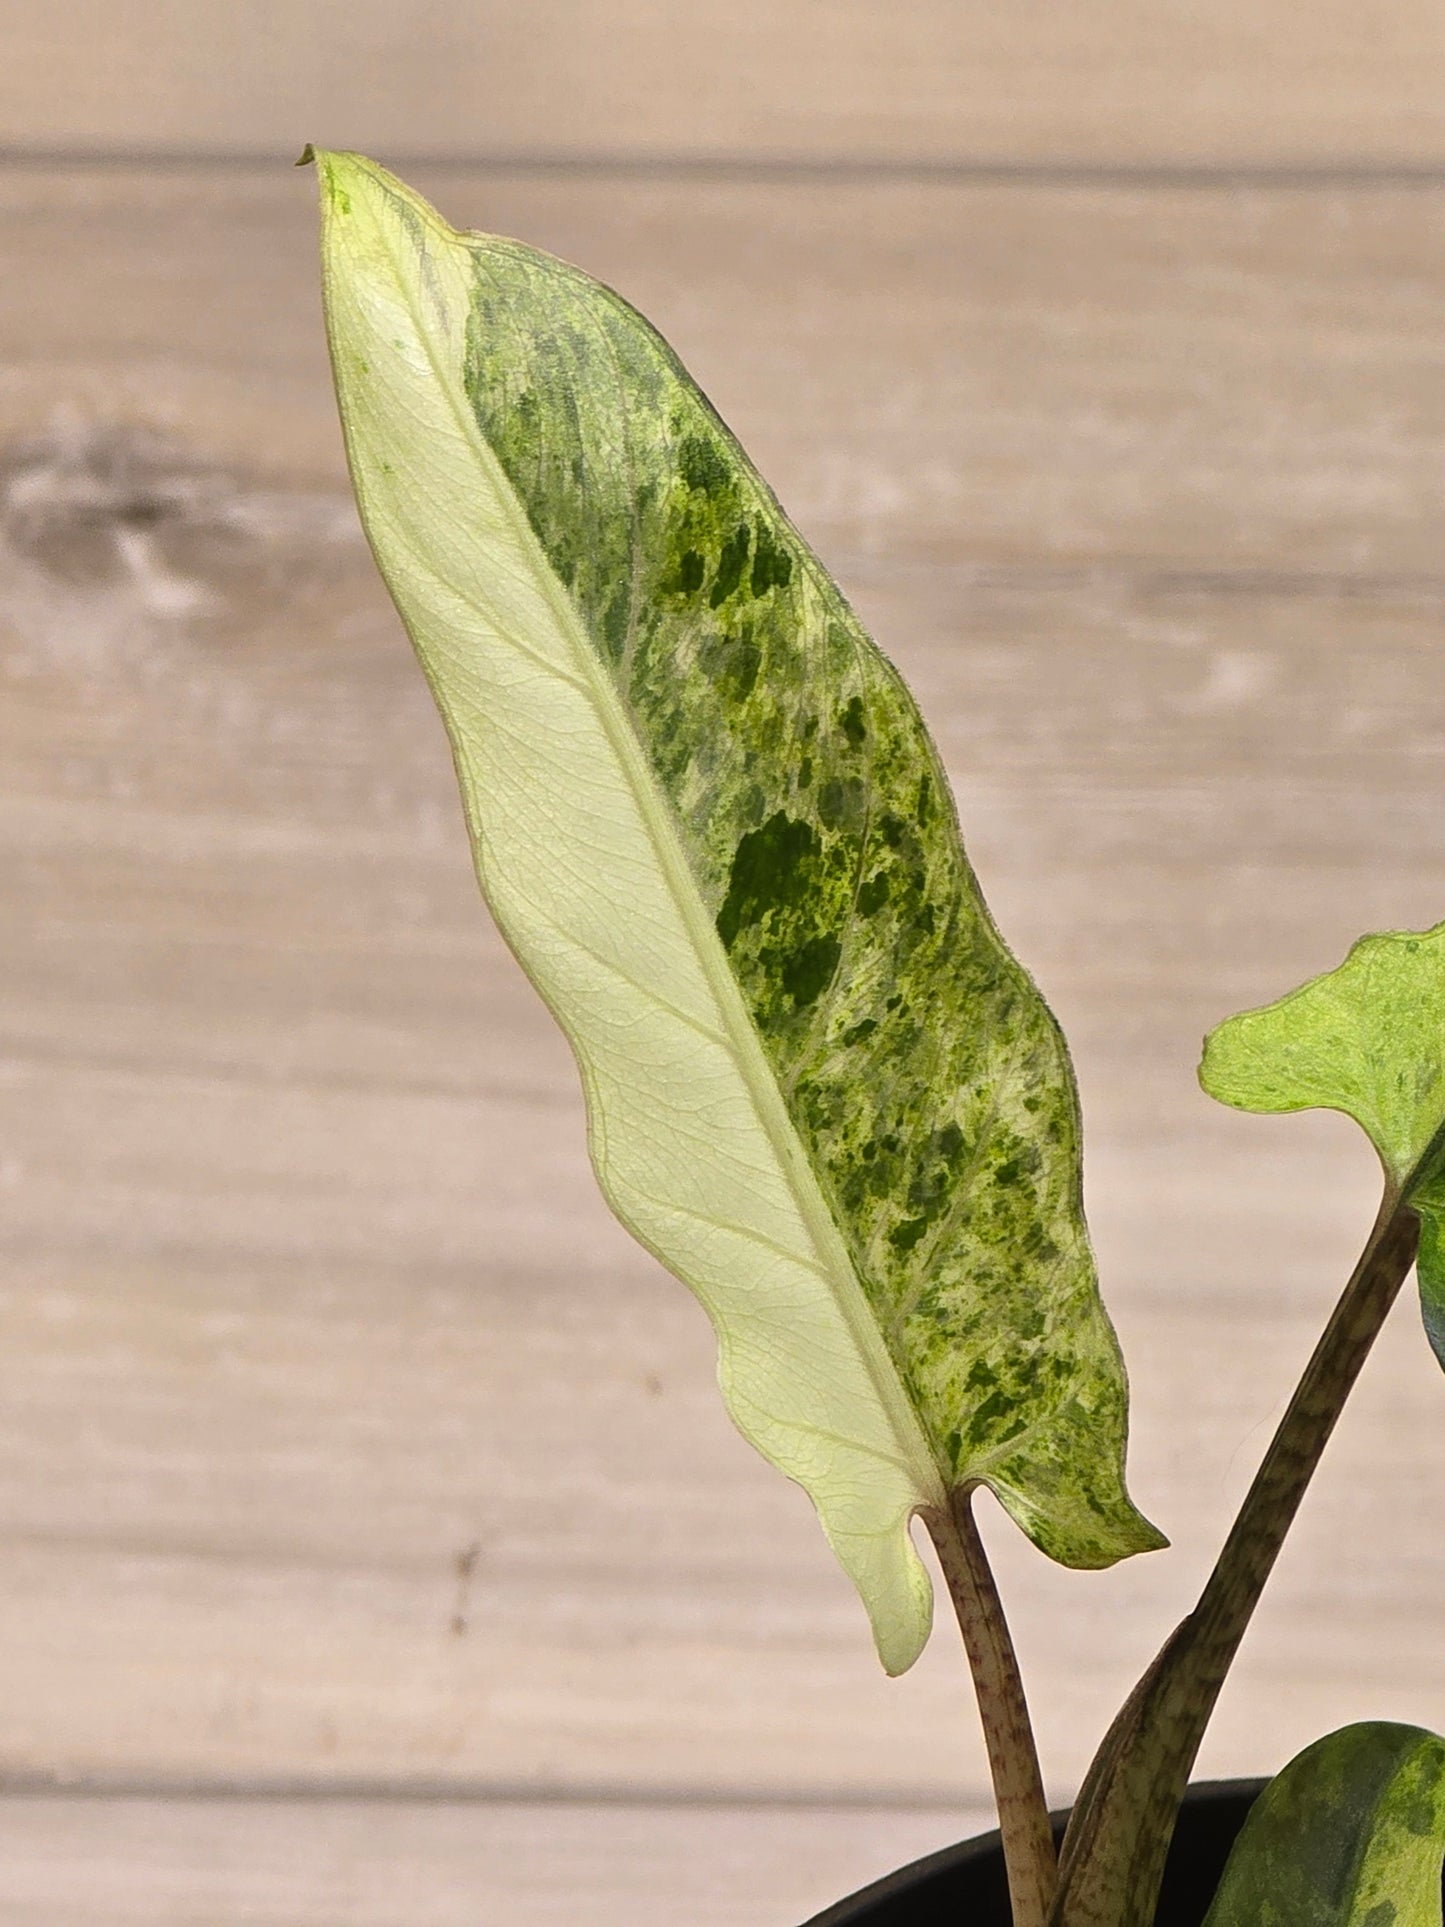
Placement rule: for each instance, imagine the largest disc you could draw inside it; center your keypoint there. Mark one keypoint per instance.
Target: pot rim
(843, 1912)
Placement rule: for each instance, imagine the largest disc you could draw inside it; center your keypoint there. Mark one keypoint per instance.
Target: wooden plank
(90, 1863)
(1125, 82)
(342, 1437)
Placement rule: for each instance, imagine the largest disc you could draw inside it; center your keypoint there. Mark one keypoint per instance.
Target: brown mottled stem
(1114, 1853)
(1023, 1815)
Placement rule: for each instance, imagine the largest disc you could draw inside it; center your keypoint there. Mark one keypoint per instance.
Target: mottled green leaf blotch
(1350, 1834)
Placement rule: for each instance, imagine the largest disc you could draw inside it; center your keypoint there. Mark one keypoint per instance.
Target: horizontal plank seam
(1060, 172)
(460, 1792)
(1143, 577)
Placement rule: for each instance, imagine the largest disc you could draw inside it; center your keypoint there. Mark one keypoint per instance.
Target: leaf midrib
(743, 1042)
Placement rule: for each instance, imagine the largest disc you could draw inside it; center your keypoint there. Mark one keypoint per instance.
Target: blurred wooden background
(1152, 83)
(373, 1550)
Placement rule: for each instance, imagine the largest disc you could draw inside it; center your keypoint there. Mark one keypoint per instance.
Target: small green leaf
(1367, 1039)
(1350, 1834)
(710, 823)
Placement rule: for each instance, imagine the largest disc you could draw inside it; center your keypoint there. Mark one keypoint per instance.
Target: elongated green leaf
(712, 827)
(1350, 1834)
(1367, 1039)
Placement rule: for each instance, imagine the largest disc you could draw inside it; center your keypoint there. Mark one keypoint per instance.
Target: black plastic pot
(966, 1883)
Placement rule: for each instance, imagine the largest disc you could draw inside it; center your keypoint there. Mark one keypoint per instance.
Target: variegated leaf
(1367, 1039)
(1350, 1834)
(713, 828)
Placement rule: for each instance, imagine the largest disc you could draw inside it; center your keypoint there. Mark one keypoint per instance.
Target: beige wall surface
(1130, 82)
(346, 1439)
(350, 1454)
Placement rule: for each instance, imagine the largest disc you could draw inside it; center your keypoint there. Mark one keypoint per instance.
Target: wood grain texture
(343, 1438)
(1126, 82)
(265, 1863)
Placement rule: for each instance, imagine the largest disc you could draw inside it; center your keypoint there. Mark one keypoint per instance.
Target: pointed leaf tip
(1368, 1039)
